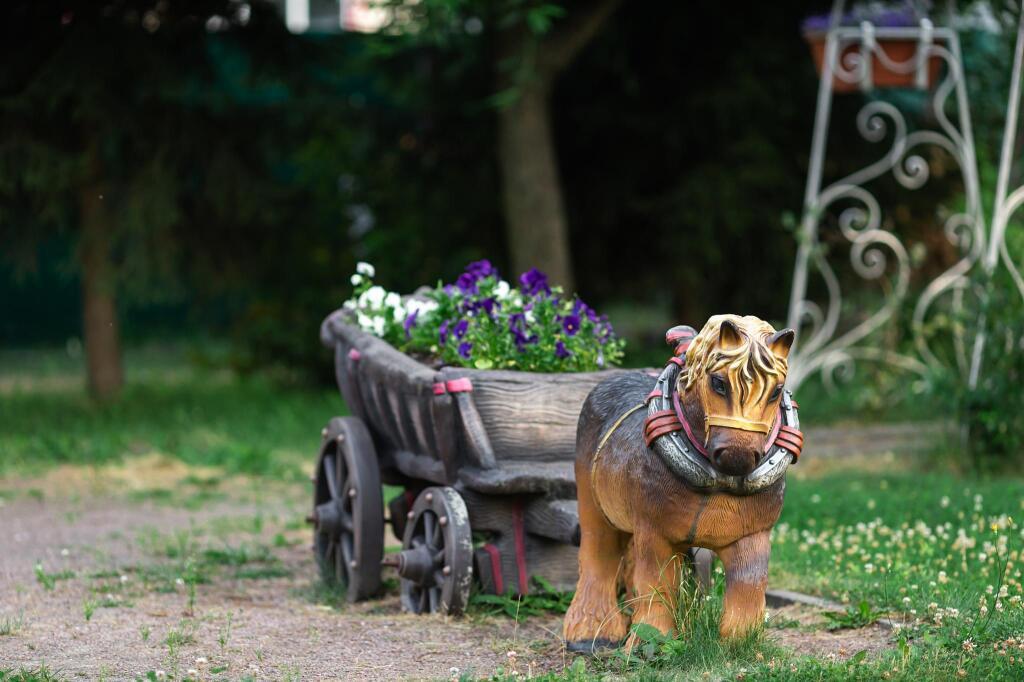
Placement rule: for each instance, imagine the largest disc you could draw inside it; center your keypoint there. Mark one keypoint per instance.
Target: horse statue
(693, 459)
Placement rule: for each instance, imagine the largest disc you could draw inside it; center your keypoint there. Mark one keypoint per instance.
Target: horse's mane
(752, 367)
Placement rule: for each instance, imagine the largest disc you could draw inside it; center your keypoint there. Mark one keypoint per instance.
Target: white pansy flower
(372, 297)
(365, 269)
(392, 300)
(365, 321)
(400, 314)
(502, 289)
(356, 280)
(378, 326)
(349, 304)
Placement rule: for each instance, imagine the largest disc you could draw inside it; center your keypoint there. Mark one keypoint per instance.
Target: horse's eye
(718, 385)
(776, 394)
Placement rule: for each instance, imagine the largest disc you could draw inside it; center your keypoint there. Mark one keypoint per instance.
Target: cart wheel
(348, 511)
(436, 562)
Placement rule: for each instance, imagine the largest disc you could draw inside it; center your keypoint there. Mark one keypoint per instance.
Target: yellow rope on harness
(617, 424)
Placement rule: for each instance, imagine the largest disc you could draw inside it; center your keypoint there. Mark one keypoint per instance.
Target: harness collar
(669, 434)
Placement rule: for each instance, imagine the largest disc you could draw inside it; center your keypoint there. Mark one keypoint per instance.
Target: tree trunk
(537, 229)
(99, 303)
(536, 224)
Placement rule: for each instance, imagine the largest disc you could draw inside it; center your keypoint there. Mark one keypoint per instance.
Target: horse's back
(607, 403)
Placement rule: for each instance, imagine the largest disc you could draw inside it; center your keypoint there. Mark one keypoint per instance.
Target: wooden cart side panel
(531, 416)
(348, 379)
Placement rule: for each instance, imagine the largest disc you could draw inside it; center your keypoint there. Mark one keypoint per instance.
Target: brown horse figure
(704, 468)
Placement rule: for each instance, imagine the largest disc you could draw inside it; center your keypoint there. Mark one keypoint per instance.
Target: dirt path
(102, 586)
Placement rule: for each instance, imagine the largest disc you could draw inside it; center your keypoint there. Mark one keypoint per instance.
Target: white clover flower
(356, 280)
(201, 660)
(192, 672)
(365, 269)
(944, 502)
(942, 577)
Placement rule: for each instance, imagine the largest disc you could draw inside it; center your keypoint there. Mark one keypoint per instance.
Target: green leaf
(648, 633)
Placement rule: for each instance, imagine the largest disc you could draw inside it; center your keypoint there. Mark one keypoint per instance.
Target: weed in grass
(544, 598)
(40, 674)
(322, 593)
(49, 580)
(859, 616)
(11, 625)
(144, 632)
(224, 634)
(88, 608)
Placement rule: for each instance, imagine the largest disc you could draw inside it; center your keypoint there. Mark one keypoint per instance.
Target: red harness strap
(791, 439)
(660, 423)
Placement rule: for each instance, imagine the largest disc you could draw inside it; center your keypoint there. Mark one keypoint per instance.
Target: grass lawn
(202, 417)
(937, 553)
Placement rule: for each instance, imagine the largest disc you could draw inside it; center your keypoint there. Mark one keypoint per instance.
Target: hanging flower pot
(899, 67)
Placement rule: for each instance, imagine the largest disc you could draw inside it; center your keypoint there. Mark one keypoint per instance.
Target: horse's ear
(781, 342)
(729, 336)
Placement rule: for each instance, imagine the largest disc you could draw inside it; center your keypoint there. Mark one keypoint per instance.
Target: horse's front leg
(594, 620)
(746, 578)
(656, 569)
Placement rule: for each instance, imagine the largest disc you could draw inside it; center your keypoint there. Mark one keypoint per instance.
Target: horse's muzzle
(734, 460)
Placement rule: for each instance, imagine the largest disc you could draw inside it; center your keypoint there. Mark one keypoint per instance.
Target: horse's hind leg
(594, 619)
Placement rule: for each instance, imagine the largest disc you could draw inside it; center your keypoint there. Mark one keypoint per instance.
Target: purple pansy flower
(410, 322)
(571, 324)
(561, 351)
(533, 282)
(580, 308)
(481, 269)
(460, 329)
(466, 283)
(475, 271)
(464, 349)
(442, 333)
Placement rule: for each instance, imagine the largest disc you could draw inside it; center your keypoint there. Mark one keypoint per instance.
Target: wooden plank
(532, 415)
(554, 519)
(556, 479)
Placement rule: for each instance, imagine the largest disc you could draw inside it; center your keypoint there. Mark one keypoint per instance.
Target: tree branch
(560, 48)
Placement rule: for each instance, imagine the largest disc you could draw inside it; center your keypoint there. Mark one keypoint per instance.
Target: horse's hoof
(591, 646)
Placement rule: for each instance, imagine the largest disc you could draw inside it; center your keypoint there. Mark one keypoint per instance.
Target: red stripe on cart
(520, 535)
(463, 385)
(499, 580)
(354, 354)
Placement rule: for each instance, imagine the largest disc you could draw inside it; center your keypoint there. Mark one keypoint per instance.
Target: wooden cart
(485, 459)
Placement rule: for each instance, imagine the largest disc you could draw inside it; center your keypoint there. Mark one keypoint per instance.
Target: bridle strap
(736, 423)
(772, 432)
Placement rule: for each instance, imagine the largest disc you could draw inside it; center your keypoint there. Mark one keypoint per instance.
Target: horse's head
(736, 371)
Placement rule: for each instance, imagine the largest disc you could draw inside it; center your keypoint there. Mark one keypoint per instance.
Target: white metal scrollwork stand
(876, 253)
(1005, 206)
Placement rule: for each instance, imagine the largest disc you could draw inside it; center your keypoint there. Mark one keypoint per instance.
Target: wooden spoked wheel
(436, 562)
(348, 510)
